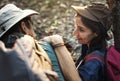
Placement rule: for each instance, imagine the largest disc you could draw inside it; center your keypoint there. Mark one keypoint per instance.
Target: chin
(80, 42)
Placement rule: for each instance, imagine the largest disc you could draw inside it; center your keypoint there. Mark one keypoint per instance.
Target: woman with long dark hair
(91, 26)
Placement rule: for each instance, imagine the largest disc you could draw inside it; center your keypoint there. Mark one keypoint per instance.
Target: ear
(23, 27)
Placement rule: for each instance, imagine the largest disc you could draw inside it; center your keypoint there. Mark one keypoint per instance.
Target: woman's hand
(54, 39)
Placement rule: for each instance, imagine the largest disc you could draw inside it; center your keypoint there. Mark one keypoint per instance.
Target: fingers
(54, 39)
(47, 39)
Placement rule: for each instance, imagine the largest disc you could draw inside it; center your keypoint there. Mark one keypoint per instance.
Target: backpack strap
(94, 56)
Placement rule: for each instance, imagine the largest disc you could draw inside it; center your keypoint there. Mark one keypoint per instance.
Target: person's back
(20, 63)
(17, 24)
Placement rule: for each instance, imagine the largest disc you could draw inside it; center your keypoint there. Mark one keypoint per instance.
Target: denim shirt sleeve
(91, 70)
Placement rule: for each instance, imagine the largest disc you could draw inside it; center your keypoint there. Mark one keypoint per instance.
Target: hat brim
(16, 19)
(84, 12)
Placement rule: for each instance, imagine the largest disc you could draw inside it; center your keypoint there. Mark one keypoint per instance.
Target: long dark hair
(99, 42)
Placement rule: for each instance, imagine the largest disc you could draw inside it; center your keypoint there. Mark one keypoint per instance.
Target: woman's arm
(66, 62)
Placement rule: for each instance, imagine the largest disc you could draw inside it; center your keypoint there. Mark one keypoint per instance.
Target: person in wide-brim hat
(10, 15)
(16, 28)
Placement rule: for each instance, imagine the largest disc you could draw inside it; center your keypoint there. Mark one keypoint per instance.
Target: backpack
(112, 63)
(52, 55)
(18, 63)
(62, 63)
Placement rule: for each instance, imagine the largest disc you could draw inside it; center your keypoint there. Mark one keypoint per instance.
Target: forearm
(67, 64)
(65, 60)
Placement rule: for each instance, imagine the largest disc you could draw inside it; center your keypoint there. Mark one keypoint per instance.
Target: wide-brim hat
(10, 15)
(97, 12)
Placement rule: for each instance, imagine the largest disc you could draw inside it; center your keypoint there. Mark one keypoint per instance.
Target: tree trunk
(114, 5)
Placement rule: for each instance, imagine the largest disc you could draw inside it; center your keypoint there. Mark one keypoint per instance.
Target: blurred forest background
(56, 16)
